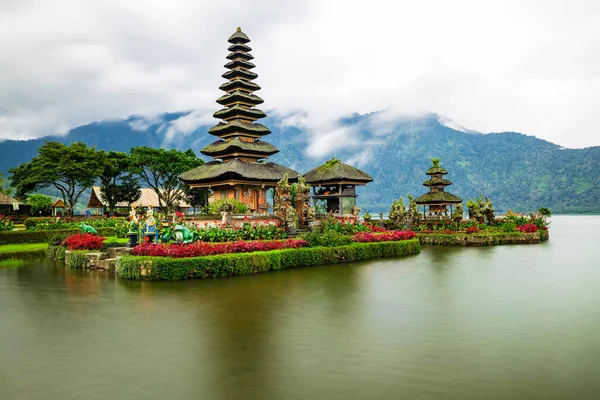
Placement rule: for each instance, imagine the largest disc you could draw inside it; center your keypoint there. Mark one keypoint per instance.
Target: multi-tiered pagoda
(239, 170)
(437, 199)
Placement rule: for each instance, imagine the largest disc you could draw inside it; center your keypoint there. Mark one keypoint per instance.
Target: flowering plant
(6, 223)
(199, 249)
(472, 229)
(84, 241)
(528, 228)
(368, 237)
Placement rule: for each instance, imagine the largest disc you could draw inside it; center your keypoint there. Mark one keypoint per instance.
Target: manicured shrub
(246, 232)
(199, 249)
(166, 268)
(16, 237)
(84, 241)
(330, 238)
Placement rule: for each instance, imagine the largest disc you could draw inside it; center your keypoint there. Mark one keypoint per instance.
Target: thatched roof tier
(58, 203)
(437, 182)
(238, 111)
(239, 48)
(238, 84)
(239, 73)
(237, 127)
(223, 148)
(216, 172)
(6, 200)
(239, 55)
(238, 96)
(435, 168)
(239, 64)
(335, 171)
(238, 37)
(438, 197)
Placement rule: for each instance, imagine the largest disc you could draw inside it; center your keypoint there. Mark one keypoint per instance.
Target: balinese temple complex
(239, 170)
(437, 199)
(335, 182)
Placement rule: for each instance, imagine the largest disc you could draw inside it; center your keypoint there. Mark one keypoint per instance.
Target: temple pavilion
(437, 199)
(335, 182)
(239, 169)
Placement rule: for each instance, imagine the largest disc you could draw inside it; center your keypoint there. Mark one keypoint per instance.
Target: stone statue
(398, 213)
(291, 216)
(355, 210)
(134, 223)
(226, 210)
(311, 214)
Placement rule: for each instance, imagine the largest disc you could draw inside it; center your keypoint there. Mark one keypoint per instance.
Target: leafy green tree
(116, 181)
(71, 169)
(197, 198)
(4, 187)
(40, 203)
(160, 170)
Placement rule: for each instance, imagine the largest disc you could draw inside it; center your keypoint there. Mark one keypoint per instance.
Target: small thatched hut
(335, 182)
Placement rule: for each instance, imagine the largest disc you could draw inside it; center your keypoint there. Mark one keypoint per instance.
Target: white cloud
(530, 66)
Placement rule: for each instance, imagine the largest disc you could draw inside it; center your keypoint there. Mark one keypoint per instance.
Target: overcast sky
(526, 66)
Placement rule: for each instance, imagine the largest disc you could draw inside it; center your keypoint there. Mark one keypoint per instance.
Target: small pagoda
(335, 182)
(437, 199)
(239, 170)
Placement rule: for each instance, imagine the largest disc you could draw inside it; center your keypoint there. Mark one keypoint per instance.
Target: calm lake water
(511, 322)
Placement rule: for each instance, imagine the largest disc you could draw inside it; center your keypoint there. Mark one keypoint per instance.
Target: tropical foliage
(159, 169)
(6, 223)
(71, 169)
(40, 203)
(246, 232)
(236, 206)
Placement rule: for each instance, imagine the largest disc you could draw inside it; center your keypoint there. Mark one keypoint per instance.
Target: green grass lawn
(29, 247)
(22, 248)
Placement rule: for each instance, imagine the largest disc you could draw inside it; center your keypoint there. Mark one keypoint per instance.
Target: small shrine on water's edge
(335, 182)
(239, 169)
(437, 199)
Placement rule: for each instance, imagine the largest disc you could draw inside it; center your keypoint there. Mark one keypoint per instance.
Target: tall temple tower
(239, 170)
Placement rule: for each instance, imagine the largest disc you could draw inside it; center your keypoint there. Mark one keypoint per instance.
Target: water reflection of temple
(335, 183)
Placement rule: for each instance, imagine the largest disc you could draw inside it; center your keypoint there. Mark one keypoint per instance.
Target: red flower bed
(389, 236)
(527, 228)
(84, 241)
(448, 232)
(199, 249)
(473, 229)
(374, 228)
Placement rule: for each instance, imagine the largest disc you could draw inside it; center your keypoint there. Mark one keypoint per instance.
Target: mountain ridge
(515, 170)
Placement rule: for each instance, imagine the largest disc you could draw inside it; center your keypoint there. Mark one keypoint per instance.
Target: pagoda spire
(239, 170)
(239, 134)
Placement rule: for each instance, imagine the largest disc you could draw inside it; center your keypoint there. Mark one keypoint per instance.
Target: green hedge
(483, 238)
(16, 237)
(164, 268)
